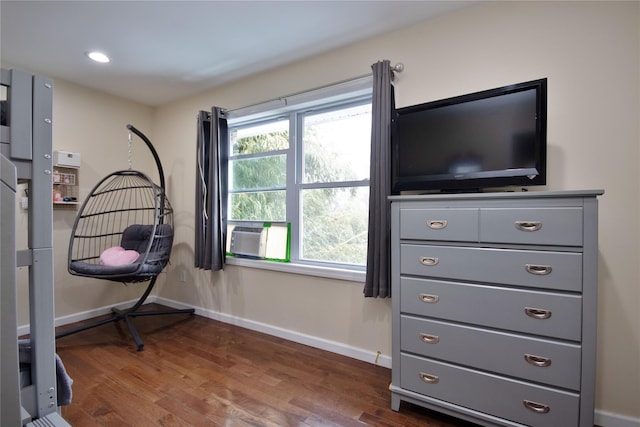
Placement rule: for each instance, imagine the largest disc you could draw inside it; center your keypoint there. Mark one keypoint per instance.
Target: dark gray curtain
(211, 191)
(378, 282)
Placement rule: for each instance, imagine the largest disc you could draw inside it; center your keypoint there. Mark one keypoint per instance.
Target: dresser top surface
(498, 195)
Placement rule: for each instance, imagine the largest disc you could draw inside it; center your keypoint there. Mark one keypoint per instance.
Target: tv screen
(493, 138)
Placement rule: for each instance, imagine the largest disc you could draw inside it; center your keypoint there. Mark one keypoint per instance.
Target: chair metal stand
(127, 314)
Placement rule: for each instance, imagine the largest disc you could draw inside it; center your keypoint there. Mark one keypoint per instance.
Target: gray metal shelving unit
(26, 156)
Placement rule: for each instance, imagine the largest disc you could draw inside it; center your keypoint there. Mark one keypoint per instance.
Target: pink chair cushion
(117, 255)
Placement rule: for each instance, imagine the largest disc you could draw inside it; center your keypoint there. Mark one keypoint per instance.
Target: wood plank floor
(196, 371)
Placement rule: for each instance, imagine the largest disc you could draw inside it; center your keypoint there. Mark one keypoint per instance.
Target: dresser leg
(395, 402)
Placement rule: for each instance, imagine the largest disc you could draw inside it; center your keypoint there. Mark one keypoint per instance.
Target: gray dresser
(494, 305)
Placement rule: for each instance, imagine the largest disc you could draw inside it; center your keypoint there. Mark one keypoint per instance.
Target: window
(258, 171)
(308, 165)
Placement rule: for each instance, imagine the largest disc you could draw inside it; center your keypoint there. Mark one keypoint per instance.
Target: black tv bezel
(484, 179)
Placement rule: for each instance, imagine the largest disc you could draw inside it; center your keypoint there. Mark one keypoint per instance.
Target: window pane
(259, 206)
(260, 138)
(258, 172)
(337, 144)
(334, 224)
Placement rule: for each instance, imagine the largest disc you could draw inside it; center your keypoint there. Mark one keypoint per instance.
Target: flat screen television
(494, 138)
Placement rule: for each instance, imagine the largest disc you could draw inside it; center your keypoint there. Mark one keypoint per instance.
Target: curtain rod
(398, 68)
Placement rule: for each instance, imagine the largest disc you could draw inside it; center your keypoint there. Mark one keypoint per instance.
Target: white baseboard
(83, 315)
(602, 418)
(332, 346)
(610, 419)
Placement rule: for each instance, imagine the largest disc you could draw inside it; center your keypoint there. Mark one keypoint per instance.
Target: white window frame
(344, 93)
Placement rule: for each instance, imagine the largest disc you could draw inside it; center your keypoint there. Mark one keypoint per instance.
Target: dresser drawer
(544, 361)
(540, 313)
(439, 224)
(538, 269)
(518, 401)
(540, 226)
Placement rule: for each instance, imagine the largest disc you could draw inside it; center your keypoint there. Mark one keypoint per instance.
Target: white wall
(589, 51)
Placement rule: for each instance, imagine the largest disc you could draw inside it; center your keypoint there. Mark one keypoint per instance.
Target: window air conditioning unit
(249, 241)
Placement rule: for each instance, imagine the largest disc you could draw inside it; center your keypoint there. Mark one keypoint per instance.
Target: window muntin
(326, 191)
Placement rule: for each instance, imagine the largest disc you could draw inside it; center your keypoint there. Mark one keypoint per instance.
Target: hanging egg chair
(124, 233)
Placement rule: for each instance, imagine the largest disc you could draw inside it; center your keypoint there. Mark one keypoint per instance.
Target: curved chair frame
(124, 209)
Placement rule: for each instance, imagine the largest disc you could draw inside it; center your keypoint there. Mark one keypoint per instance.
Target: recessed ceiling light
(98, 57)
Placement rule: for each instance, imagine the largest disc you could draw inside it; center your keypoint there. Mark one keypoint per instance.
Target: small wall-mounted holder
(64, 178)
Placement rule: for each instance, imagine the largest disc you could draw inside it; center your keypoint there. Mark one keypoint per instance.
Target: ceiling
(164, 50)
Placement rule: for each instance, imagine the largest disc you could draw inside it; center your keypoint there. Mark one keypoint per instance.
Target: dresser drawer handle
(540, 361)
(428, 298)
(537, 313)
(536, 407)
(428, 260)
(429, 379)
(429, 339)
(539, 270)
(528, 225)
(436, 224)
